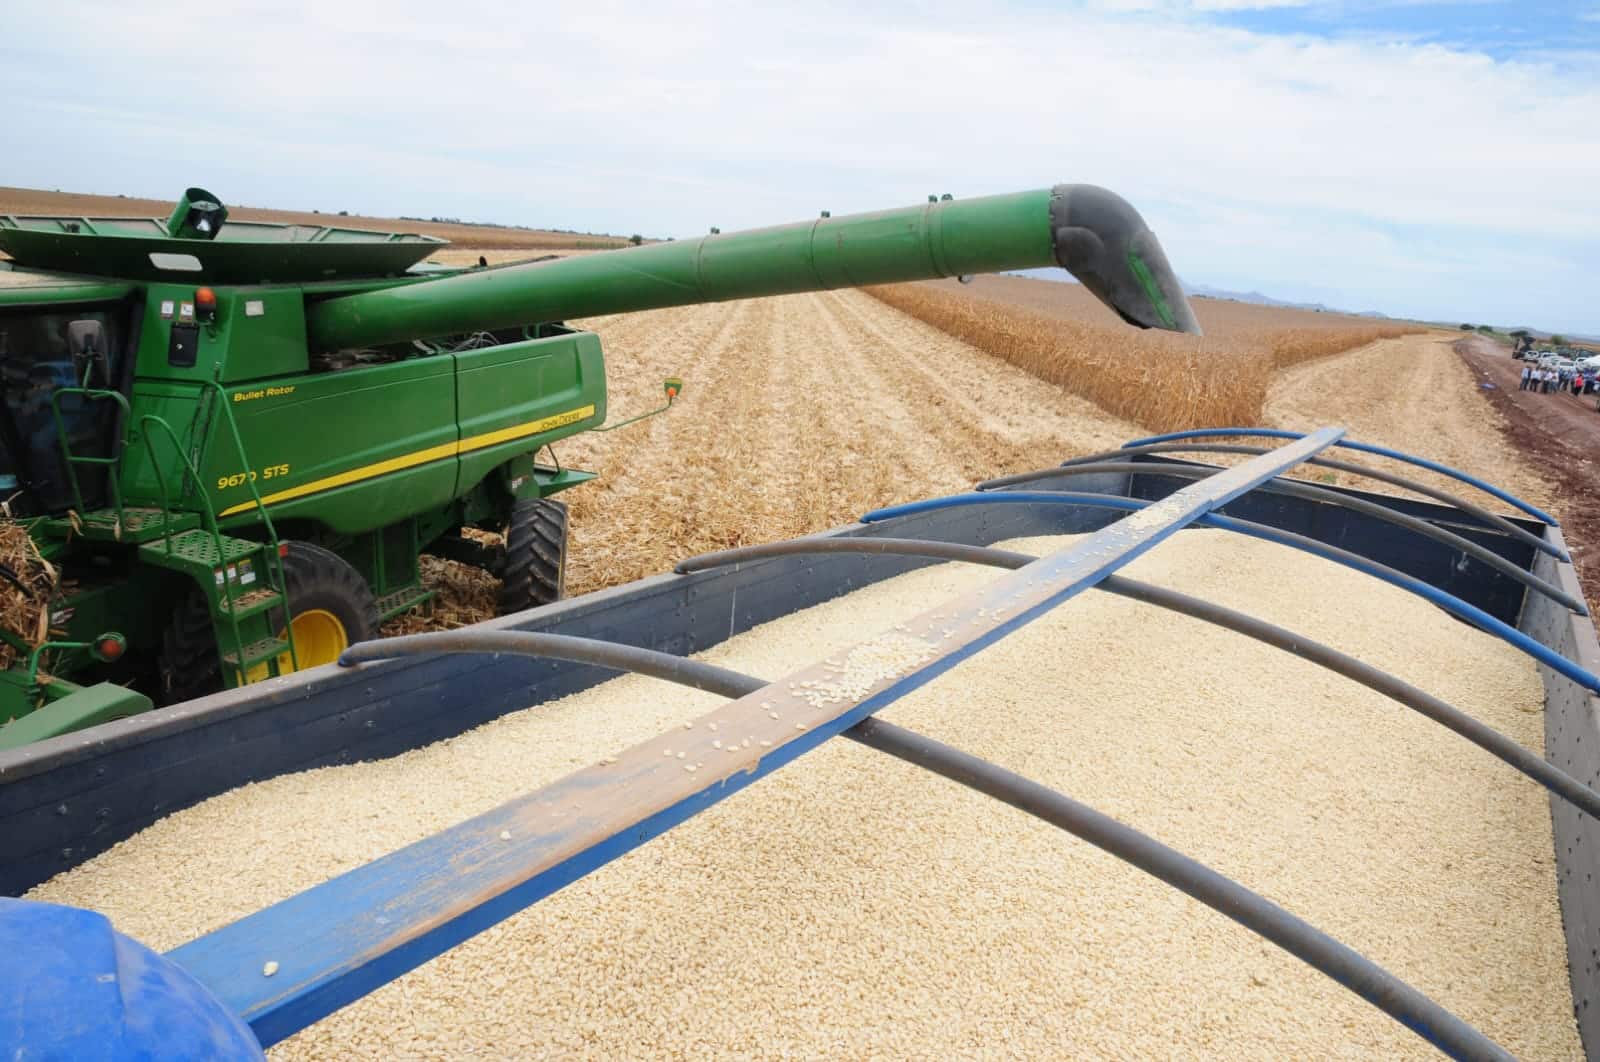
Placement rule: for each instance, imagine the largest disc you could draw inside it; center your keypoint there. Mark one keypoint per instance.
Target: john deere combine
(234, 440)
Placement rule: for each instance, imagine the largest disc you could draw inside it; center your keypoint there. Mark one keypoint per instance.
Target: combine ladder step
(258, 652)
(197, 551)
(249, 604)
(392, 605)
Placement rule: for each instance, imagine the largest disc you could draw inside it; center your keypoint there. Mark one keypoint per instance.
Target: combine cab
(232, 442)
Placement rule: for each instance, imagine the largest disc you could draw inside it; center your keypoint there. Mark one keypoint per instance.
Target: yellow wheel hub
(319, 638)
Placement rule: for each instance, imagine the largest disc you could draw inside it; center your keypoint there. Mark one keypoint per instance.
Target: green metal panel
(78, 709)
(265, 331)
(155, 330)
(513, 399)
(913, 243)
(356, 450)
(178, 404)
(352, 450)
(257, 333)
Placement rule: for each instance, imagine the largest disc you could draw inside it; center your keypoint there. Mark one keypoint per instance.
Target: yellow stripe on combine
(419, 457)
(522, 431)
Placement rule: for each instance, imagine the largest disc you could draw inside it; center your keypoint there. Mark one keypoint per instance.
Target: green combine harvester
(233, 441)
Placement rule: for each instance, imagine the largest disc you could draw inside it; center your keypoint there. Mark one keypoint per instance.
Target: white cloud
(679, 115)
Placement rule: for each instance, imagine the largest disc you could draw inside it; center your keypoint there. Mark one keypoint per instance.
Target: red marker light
(205, 302)
(108, 647)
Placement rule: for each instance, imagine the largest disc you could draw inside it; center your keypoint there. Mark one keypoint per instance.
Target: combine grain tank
(282, 968)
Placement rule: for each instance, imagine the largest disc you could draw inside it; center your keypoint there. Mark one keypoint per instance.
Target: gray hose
(910, 547)
(1451, 718)
(1494, 520)
(1293, 489)
(618, 657)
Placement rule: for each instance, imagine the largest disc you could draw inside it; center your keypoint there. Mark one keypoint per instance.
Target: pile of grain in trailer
(851, 905)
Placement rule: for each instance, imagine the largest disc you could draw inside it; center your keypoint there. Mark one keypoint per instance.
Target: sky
(1427, 159)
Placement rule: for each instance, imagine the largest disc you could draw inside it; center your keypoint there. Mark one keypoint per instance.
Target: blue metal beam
(340, 940)
(1366, 448)
(1447, 601)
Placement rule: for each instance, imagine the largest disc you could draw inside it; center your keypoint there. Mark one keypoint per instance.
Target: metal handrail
(274, 568)
(93, 394)
(275, 563)
(206, 513)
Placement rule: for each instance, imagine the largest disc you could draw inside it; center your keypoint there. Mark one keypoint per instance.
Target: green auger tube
(1091, 232)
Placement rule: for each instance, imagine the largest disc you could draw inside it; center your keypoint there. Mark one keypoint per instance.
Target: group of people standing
(1547, 380)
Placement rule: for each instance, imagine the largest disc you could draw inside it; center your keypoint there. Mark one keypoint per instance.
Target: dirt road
(1557, 434)
(1557, 427)
(1414, 394)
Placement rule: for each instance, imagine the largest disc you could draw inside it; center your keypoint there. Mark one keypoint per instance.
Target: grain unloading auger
(1092, 233)
(234, 440)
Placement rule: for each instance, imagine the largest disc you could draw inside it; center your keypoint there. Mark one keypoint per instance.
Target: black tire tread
(189, 666)
(535, 557)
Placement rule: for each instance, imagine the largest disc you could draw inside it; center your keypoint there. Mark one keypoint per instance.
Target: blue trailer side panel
(1572, 742)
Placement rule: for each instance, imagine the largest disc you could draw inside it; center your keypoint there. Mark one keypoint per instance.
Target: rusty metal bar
(1485, 737)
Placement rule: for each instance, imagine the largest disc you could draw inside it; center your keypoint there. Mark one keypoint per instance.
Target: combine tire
(330, 607)
(189, 664)
(536, 556)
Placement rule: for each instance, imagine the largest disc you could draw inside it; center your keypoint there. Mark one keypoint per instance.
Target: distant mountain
(1206, 291)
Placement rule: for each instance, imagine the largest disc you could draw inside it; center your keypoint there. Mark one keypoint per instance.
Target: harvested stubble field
(802, 412)
(799, 413)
